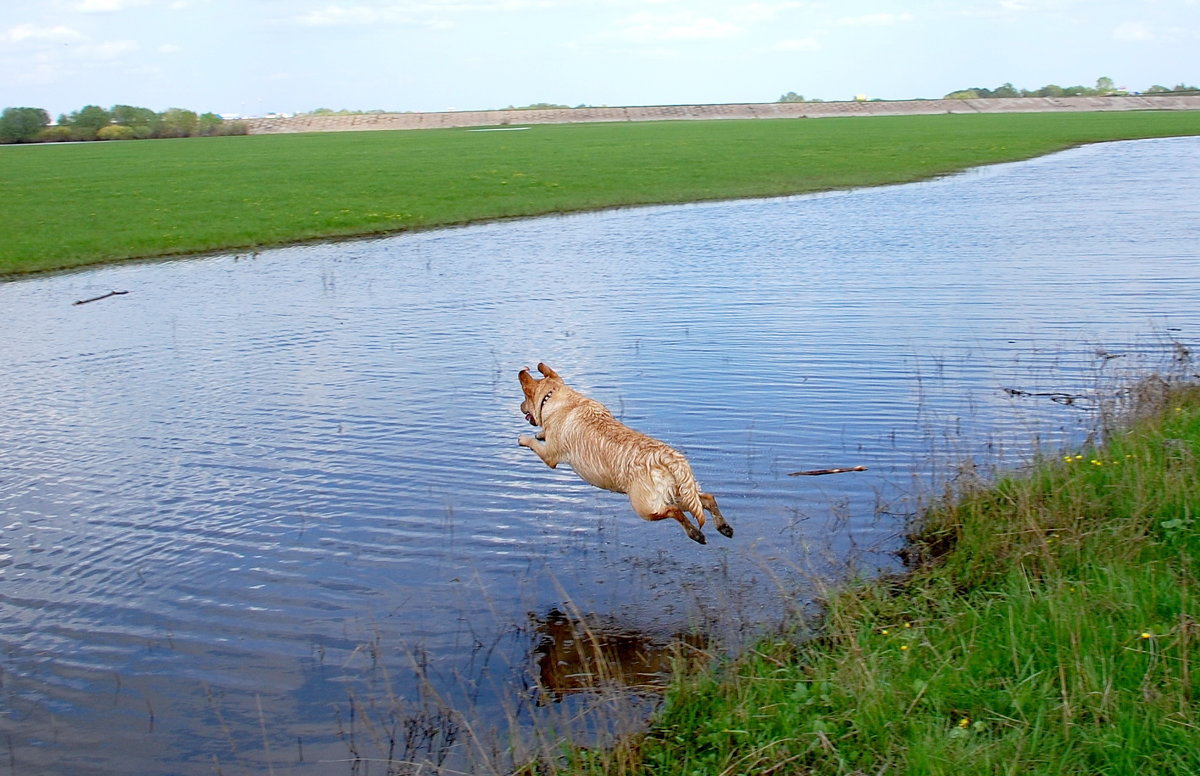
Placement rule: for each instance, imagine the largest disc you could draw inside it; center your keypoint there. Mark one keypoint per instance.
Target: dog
(582, 432)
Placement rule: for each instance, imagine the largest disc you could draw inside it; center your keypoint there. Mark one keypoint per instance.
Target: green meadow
(1050, 626)
(77, 204)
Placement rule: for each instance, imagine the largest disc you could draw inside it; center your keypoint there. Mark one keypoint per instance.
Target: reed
(68, 205)
(1049, 626)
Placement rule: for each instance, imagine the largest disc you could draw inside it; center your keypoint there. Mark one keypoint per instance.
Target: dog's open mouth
(529, 417)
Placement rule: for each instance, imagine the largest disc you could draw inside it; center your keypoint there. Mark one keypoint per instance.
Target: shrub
(116, 132)
(55, 134)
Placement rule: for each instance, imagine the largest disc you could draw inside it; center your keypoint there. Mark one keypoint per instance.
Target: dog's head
(537, 392)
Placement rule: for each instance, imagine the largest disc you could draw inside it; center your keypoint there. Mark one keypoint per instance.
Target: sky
(253, 57)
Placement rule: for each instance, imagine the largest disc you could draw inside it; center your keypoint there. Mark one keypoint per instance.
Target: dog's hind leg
(675, 513)
(649, 507)
(710, 503)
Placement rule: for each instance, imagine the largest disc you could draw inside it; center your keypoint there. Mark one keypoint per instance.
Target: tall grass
(71, 205)
(1050, 626)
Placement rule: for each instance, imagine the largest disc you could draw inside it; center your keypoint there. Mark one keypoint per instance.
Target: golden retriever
(610, 455)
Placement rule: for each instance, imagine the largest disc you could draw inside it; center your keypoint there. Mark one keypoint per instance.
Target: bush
(56, 134)
(235, 128)
(116, 132)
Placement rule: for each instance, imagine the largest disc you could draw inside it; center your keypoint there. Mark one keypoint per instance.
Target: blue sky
(257, 56)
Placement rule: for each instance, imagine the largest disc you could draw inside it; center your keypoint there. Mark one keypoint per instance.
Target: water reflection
(254, 494)
(596, 653)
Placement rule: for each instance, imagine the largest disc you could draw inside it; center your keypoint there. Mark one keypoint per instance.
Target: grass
(72, 205)
(1051, 626)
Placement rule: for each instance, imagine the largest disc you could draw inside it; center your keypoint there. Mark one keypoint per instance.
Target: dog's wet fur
(605, 452)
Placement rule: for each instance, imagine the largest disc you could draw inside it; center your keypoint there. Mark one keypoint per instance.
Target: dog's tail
(686, 489)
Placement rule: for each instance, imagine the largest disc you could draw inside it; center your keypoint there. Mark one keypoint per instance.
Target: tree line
(120, 122)
(1104, 87)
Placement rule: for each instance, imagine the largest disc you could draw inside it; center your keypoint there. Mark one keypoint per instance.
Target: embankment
(769, 110)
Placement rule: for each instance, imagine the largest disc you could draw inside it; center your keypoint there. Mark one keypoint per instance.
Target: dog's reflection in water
(592, 654)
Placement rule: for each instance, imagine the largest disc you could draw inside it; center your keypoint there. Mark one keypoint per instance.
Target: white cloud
(169, 48)
(644, 27)
(32, 33)
(1133, 31)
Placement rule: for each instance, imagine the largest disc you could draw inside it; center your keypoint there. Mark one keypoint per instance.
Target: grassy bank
(71, 205)
(1052, 626)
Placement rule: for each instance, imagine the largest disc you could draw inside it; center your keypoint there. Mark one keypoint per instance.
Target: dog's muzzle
(529, 417)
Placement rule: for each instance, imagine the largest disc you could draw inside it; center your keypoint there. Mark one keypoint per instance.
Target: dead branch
(817, 472)
(102, 296)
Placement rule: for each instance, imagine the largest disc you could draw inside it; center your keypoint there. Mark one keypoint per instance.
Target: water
(263, 511)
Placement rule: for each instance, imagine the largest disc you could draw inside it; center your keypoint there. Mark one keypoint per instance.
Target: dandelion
(964, 722)
(1097, 463)
(884, 631)
(1147, 635)
(903, 647)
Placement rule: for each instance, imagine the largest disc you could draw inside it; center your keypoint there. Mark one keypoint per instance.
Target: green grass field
(1052, 628)
(72, 205)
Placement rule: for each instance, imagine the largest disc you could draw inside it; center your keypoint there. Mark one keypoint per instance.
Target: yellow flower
(964, 722)
(903, 647)
(1147, 635)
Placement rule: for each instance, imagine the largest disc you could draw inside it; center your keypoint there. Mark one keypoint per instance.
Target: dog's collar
(542, 406)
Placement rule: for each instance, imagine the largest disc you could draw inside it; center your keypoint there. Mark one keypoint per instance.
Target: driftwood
(817, 472)
(1054, 396)
(102, 296)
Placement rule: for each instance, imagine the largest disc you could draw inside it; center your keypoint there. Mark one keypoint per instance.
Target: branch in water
(102, 296)
(816, 472)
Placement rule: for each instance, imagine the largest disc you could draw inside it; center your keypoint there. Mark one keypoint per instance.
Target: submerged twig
(816, 472)
(102, 296)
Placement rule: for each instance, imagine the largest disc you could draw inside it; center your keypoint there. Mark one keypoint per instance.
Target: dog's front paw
(525, 441)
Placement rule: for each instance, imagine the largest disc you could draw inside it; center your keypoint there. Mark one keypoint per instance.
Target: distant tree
(539, 106)
(87, 121)
(1181, 87)
(791, 97)
(143, 121)
(1105, 85)
(177, 122)
(208, 124)
(1049, 90)
(1005, 90)
(22, 125)
(1157, 89)
(963, 94)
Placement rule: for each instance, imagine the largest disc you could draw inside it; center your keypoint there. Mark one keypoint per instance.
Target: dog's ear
(527, 380)
(547, 371)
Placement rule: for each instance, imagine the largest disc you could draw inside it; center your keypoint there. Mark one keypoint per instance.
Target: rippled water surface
(261, 510)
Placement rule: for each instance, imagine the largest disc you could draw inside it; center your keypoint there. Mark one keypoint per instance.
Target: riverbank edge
(1048, 625)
